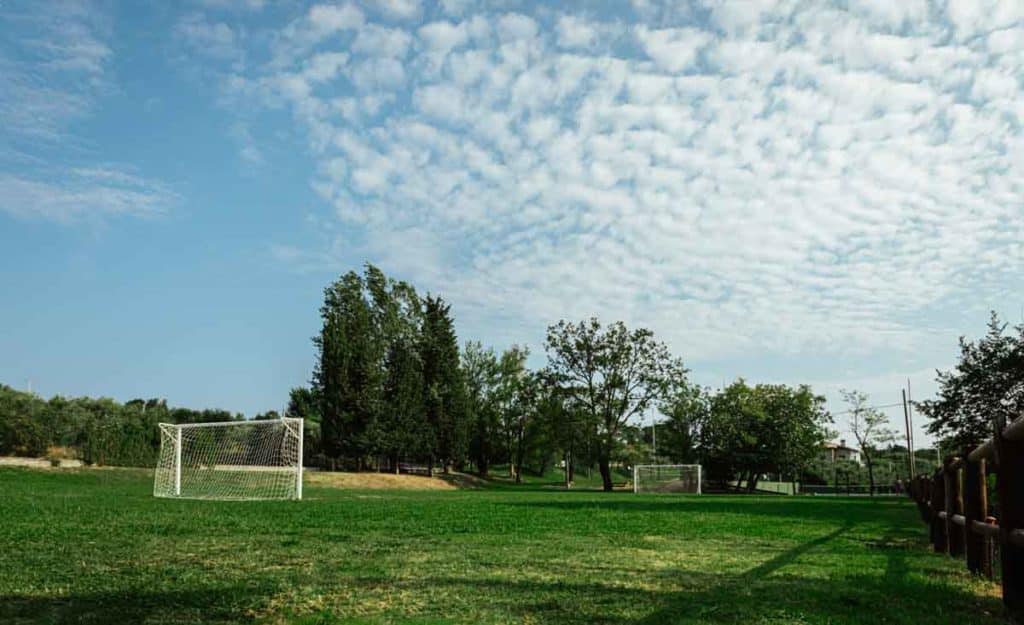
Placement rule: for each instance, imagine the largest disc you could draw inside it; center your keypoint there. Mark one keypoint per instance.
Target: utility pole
(909, 441)
(654, 437)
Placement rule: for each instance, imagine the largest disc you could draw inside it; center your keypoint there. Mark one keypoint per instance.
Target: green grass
(94, 547)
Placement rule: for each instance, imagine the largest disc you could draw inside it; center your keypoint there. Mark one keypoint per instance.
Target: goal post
(230, 460)
(667, 478)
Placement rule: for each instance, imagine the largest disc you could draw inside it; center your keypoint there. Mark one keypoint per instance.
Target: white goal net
(666, 478)
(230, 460)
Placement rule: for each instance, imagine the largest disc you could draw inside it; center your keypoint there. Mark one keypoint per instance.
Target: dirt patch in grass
(381, 481)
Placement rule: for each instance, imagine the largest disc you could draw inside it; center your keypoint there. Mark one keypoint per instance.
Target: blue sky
(788, 192)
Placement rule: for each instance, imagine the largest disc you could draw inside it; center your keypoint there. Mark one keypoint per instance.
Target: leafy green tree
(514, 395)
(986, 385)
(751, 431)
(22, 432)
(348, 375)
(403, 429)
(869, 428)
(686, 410)
(612, 373)
(303, 403)
(444, 388)
(480, 371)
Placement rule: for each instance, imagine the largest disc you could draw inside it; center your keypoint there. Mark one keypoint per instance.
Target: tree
(686, 410)
(766, 428)
(480, 371)
(985, 386)
(444, 389)
(348, 375)
(514, 396)
(868, 427)
(402, 428)
(613, 373)
(303, 403)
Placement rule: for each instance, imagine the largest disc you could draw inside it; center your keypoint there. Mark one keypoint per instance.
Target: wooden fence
(954, 503)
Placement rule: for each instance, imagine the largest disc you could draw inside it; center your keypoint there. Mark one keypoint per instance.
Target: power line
(870, 408)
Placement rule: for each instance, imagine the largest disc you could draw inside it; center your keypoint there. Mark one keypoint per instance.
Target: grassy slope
(95, 547)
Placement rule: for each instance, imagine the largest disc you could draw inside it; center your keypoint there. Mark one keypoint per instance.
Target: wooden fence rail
(954, 503)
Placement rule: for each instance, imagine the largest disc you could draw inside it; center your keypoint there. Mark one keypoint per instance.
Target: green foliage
(348, 377)
(445, 404)
(21, 424)
(402, 427)
(986, 385)
(686, 411)
(98, 431)
(611, 375)
(95, 548)
(303, 403)
(761, 429)
(481, 374)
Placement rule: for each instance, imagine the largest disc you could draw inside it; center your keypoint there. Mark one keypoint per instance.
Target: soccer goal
(230, 460)
(666, 478)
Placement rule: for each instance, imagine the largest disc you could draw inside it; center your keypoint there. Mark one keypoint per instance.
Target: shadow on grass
(834, 510)
(791, 587)
(207, 605)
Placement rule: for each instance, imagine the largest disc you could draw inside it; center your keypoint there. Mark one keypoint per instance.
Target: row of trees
(391, 385)
(96, 431)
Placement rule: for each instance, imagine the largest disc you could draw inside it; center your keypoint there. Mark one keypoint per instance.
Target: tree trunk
(482, 467)
(752, 482)
(871, 475)
(606, 473)
(394, 463)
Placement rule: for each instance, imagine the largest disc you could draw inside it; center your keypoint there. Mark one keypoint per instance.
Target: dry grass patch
(376, 481)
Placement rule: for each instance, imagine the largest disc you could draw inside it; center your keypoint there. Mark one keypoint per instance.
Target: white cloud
(400, 9)
(673, 49)
(513, 26)
(215, 40)
(85, 194)
(575, 32)
(381, 41)
(443, 36)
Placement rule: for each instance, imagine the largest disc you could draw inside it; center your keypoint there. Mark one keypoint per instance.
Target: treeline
(97, 431)
(392, 386)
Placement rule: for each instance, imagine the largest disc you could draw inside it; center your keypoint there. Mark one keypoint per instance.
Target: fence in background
(954, 503)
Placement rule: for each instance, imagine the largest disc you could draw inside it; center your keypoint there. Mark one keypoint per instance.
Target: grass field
(95, 547)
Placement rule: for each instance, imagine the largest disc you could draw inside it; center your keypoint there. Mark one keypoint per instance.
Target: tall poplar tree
(443, 385)
(347, 376)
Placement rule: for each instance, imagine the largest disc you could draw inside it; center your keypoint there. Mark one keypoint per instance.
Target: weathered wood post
(975, 509)
(938, 524)
(1010, 486)
(954, 504)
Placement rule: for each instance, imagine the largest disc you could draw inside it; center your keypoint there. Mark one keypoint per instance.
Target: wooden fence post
(954, 504)
(938, 525)
(975, 509)
(1010, 486)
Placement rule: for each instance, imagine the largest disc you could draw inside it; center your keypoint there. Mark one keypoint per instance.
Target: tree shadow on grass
(836, 510)
(129, 607)
(788, 588)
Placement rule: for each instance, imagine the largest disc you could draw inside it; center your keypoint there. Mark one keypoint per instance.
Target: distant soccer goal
(230, 460)
(666, 478)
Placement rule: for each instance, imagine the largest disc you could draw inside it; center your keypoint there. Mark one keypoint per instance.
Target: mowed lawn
(94, 546)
